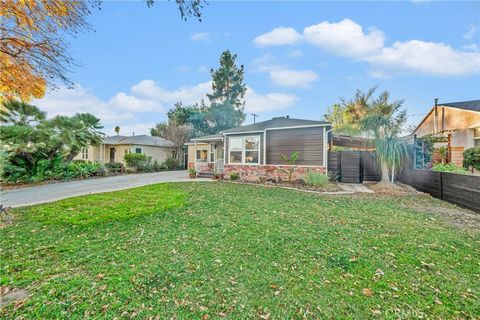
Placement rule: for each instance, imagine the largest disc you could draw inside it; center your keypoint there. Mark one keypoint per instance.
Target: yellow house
(114, 148)
(457, 122)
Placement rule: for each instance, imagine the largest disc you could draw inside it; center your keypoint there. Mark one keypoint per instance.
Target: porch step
(205, 174)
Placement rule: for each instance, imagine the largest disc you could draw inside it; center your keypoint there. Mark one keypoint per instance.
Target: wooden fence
(353, 166)
(460, 189)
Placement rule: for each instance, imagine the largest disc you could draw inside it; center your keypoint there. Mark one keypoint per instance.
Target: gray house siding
(308, 142)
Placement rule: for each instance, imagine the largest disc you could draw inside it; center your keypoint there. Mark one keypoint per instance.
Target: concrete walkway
(355, 188)
(62, 190)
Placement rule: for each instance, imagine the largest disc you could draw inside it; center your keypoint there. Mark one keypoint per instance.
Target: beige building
(457, 122)
(114, 148)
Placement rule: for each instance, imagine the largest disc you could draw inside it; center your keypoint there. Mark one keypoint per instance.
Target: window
(244, 150)
(476, 137)
(138, 150)
(202, 155)
(84, 153)
(212, 153)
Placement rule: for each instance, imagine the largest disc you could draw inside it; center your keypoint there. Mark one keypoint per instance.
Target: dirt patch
(12, 295)
(397, 189)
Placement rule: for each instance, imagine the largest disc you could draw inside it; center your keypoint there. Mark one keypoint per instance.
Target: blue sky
(299, 57)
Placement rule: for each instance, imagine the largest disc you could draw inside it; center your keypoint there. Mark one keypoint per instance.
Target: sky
(299, 57)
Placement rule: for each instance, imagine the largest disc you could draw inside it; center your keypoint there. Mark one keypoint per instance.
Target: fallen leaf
(367, 292)
(205, 316)
(265, 316)
(203, 308)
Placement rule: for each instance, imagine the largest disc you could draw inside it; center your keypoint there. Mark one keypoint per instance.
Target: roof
(143, 140)
(217, 136)
(279, 122)
(473, 105)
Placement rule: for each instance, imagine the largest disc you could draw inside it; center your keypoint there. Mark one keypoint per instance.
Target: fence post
(441, 185)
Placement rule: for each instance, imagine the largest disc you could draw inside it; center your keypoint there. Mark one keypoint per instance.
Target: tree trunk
(385, 175)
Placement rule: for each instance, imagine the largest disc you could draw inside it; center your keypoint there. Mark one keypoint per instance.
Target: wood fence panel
(370, 167)
(462, 190)
(350, 167)
(334, 164)
(428, 181)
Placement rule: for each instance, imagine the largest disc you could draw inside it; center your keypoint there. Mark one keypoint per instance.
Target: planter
(192, 175)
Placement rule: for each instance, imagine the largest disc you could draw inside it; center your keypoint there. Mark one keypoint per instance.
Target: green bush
(114, 166)
(170, 163)
(315, 179)
(448, 167)
(135, 160)
(471, 157)
(83, 170)
(234, 176)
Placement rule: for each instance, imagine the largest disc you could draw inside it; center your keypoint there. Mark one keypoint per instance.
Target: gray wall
(308, 142)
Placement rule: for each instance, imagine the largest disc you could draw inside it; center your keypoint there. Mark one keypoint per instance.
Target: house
(255, 150)
(115, 147)
(458, 123)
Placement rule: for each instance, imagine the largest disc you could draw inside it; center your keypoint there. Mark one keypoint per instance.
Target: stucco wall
(451, 119)
(191, 151)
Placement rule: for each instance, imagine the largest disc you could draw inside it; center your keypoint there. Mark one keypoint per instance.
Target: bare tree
(178, 134)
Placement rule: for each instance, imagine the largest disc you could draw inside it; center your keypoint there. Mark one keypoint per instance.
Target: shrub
(135, 160)
(471, 157)
(192, 171)
(291, 162)
(170, 163)
(234, 176)
(448, 167)
(315, 179)
(114, 166)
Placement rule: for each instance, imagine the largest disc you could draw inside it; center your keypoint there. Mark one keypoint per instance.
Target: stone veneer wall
(253, 173)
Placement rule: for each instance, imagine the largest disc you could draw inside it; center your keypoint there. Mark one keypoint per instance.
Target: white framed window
(244, 150)
(202, 155)
(476, 137)
(84, 153)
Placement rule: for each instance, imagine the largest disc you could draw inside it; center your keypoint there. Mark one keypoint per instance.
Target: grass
(234, 251)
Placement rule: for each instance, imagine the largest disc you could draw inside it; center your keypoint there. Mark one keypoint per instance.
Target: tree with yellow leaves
(33, 50)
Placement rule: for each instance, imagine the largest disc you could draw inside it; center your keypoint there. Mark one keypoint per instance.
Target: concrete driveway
(62, 190)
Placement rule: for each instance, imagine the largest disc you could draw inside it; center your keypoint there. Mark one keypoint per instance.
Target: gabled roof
(143, 140)
(473, 105)
(279, 122)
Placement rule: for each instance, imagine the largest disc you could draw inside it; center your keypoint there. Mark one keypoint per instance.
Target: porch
(206, 155)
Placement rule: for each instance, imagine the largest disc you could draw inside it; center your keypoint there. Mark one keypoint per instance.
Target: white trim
(280, 128)
(242, 133)
(264, 147)
(243, 137)
(206, 139)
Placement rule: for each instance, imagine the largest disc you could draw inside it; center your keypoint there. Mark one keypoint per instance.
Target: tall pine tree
(227, 99)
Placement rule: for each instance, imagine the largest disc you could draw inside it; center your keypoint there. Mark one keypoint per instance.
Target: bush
(135, 160)
(83, 170)
(114, 166)
(234, 176)
(471, 157)
(448, 167)
(315, 179)
(170, 163)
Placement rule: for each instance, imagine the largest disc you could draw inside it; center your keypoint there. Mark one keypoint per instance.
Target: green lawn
(235, 251)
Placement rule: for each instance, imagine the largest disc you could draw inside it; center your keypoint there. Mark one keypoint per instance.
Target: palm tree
(383, 124)
(19, 113)
(117, 130)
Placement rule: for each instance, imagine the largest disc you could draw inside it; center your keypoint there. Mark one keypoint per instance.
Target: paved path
(62, 190)
(355, 187)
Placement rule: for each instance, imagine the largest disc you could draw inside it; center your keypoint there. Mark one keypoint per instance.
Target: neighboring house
(255, 150)
(114, 148)
(457, 122)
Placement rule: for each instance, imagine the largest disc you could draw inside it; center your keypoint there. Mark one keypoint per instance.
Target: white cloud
(345, 38)
(145, 104)
(278, 36)
(471, 47)
(471, 32)
(426, 58)
(268, 102)
(349, 39)
(293, 78)
(201, 36)
(295, 53)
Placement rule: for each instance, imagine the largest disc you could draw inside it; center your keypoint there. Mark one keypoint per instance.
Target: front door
(112, 154)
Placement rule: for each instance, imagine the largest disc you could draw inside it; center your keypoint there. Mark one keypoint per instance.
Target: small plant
(315, 179)
(114, 166)
(291, 162)
(192, 173)
(234, 176)
(449, 167)
(217, 175)
(443, 153)
(471, 158)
